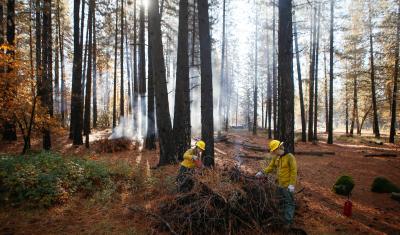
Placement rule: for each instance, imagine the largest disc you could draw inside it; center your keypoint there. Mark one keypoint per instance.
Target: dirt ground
(319, 209)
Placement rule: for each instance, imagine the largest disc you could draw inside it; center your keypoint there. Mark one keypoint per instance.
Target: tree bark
(121, 56)
(115, 67)
(316, 78)
(94, 45)
(373, 92)
(135, 72)
(302, 110)
(47, 90)
(164, 127)
(312, 76)
(142, 67)
(255, 98)
(207, 117)
(10, 131)
(89, 73)
(285, 68)
(330, 125)
(151, 128)
(274, 72)
(222, 84)
(182, 132)
(76, 100)
(395, 78)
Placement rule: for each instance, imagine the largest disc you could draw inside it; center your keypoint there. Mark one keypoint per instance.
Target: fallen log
(380, 155)
(247, 146)
(314, 153)
(396, 196)
(250, 157)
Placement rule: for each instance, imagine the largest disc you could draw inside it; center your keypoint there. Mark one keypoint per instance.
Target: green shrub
(344, 185)
(383, 185)
(46, 178)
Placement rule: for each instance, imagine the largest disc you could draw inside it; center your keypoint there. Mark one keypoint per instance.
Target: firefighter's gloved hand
(291, 188)
(259, 174)
(194, 158)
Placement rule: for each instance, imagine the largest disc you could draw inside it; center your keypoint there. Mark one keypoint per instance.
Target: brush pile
(223, 202)
(115, 145)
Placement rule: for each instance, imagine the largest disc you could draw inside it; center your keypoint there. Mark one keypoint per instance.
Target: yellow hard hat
(201, 145)
(274, 145)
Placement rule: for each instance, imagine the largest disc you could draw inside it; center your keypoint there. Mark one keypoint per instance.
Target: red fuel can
(347, 209)
(198, 163)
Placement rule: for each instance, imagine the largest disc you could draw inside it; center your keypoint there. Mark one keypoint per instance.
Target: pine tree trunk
(89, 73)
(47, 90)
(121, 56)
(315, 135)
(222, 84)
(135, 72)
(142, 67)
(255, 98)
(164, 127)
(115, 68)
(76, 100)
(274, 73)
(395, 78)
(10, 131)
(207, 117)
(56, 73)
(311, 83)
(330, 125)
(151, 128)
(285, 68)
(302, 111)
(182, 132)
(94, 45)
(373, 92)
(326, 96)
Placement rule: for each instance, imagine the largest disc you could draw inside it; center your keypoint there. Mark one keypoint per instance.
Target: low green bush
(46, 178)
(344, 185)
(383, 185)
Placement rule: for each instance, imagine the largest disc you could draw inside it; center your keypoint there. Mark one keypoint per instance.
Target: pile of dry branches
(223, 202)
(114, 145)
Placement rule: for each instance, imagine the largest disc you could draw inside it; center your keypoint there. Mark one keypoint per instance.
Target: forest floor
(319, 209)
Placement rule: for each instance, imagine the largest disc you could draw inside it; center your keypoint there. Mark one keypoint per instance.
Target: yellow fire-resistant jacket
(187, 159)
(286, 168)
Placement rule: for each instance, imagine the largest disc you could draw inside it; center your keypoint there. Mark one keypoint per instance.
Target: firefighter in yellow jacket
(184, 179)
(286, 169)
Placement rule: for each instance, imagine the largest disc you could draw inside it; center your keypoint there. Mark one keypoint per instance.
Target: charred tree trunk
(330, 125)
(302, 111)
(268, 116)
(395, 77)
(207, 117)
(164, 127)
(285, 62)
(373, 92)
(182, 132)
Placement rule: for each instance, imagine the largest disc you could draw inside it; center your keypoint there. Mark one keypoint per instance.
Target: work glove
(194, 158)
(259, 174)
(291, 188)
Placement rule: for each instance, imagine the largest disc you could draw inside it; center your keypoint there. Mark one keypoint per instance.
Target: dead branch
(380, 155)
